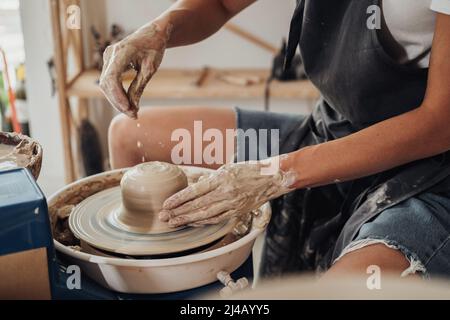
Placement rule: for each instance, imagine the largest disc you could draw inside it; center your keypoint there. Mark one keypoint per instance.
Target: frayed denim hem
(415, 265)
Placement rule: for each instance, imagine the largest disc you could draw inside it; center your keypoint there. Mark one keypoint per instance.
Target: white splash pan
(160, 275)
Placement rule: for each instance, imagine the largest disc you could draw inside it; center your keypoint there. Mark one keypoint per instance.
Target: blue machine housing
(24, 221)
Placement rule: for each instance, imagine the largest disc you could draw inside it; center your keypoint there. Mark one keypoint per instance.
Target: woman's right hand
(143, 50)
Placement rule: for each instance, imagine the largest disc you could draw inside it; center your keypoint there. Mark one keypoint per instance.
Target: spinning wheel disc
(95, 221)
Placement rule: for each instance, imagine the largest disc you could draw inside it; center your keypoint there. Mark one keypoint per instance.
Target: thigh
(359, 263)
(150, 137)
(415, 231)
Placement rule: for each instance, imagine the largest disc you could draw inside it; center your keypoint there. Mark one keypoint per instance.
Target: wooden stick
(251, 38)
(204, 73)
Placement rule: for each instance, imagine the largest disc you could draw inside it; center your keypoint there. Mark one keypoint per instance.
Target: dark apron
(360, 85)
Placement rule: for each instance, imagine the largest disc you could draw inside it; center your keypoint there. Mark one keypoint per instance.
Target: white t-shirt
(410, 28)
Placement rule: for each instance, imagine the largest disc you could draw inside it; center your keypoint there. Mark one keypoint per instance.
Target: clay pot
(144, 189)
(27, 146)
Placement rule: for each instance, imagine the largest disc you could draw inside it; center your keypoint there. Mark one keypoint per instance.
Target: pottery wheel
(96, 222)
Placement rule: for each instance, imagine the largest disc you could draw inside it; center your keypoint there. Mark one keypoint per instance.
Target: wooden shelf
(178, 84)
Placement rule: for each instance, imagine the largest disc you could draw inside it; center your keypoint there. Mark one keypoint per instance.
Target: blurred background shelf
(180, 84)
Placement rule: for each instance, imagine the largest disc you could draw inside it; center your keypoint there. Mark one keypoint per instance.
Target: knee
(359, 261)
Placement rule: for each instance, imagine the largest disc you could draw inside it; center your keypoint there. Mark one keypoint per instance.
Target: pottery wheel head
(125, 219)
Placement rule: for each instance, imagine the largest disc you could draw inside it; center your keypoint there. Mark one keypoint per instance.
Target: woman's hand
(143, 50)
(185, 22)
(232, 190)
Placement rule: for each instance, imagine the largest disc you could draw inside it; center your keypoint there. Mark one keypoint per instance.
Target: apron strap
(295, 31)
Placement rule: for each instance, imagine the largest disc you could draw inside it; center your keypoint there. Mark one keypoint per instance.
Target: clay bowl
(27, 145)
(160, 275)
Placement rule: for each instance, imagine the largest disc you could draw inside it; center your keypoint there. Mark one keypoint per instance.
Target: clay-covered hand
(143, 51)
(232, 190)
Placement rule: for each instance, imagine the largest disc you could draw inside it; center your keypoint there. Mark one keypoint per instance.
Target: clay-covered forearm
(191, 21)
(411, 136)
(418, 134)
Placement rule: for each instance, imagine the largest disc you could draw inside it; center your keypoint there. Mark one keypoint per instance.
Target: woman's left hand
(233, 189)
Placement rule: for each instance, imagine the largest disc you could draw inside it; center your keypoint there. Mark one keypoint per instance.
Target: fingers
(138, 84)
(193, 191)
(217, 219)
(111, 82)
(200, 214)
(193, 205)
(116, 95)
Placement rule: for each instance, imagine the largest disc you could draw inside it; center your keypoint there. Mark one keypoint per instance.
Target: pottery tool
(14, 120)
(243, 81)
(124, 220)
(248, 36)
(203, 77)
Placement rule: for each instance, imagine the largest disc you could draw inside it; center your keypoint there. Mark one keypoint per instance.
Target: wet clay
(12, 157)
(144, 189)
(17, 150)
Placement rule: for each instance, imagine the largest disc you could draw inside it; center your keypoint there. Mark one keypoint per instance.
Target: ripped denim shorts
(419, 228)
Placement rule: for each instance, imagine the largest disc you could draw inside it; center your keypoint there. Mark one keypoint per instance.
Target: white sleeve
(442, 6)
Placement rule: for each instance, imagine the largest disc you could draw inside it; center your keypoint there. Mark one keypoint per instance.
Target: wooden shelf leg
(68, 130)
(64, 106)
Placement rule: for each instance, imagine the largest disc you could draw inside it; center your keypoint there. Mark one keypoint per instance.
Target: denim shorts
(419, 227)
